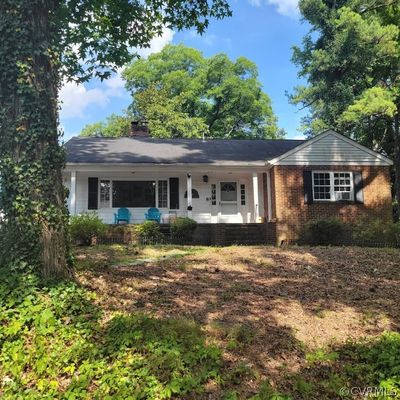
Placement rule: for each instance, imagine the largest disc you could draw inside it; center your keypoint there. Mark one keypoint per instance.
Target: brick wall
(291, 213)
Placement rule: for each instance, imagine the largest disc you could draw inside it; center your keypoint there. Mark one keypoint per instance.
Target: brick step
(165, 229)
(245, 236)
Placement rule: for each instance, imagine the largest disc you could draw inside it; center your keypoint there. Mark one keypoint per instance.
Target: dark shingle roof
(88, 150)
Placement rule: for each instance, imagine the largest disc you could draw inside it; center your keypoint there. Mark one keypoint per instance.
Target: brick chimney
(139, 129)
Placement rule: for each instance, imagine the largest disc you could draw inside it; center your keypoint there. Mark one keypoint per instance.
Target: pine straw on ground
(266, 307)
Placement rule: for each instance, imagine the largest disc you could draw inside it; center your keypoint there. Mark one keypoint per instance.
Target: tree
(164, 116)
(44, 42)
(115, 125)
(351, 60)
(226, 95)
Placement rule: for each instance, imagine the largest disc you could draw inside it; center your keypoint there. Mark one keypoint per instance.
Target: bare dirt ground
(266, 307)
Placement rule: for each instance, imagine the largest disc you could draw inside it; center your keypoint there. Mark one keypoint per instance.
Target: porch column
(256, 197)
(269, 196)
(189, 195)
(73, 193)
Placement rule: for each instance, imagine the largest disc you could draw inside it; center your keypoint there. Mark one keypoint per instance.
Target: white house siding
(331, 148)
(203, 211)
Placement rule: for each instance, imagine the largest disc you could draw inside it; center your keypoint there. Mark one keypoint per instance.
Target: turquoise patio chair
(153, 215)
(122, 215)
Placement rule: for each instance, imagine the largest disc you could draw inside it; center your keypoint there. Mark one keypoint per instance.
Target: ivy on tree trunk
(31, 158)
(42, 42)
(396, 152)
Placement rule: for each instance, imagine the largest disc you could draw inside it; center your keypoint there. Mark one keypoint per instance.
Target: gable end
(331, 148)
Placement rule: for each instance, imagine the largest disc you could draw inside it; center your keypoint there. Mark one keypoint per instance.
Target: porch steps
(244, 234)
(165, 229)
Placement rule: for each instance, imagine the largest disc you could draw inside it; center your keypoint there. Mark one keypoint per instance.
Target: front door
(228, 199)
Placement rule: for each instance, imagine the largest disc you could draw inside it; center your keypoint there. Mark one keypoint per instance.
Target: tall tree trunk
(396, 135)
(31, 159)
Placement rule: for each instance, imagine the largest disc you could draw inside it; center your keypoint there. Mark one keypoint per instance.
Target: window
(243, 195)
(162, 194)
(134, 194)
(105, 187)
(228, 191)
(213, 194)
(342, 186)
(195, 194)
(333, 186)
(229, 201)
(322, 186)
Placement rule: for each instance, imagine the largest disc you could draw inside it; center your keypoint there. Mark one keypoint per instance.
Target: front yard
(257, 323)
(295, 317)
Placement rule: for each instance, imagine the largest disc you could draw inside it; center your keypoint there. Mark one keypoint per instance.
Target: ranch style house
(272, 187)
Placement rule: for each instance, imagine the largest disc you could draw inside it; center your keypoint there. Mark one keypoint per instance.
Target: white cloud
(289, 8)
(157, 43)
(115, 82)
(76, 98)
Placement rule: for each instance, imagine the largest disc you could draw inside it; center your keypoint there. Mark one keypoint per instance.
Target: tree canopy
(351, 60)
(181, 93)
(44, 42)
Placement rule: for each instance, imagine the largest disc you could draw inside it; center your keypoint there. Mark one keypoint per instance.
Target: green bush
(86, 226)
(325, 231)
(372, 232)
(183, 228)
(148, 232)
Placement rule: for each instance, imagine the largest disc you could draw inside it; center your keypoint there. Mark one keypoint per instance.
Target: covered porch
(210, 195)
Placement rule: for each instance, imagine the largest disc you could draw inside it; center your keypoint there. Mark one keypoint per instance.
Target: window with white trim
(242, 194)
(213, 194)
(162, 194)
(333, 186)
(105, 188)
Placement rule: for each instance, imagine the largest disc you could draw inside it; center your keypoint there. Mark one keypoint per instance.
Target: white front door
(228, 201)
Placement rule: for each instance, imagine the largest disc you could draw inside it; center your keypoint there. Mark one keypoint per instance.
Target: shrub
(119, 234)
(148, 232)
(182, 228)
(85, 227)
(324, 231)
(372, 232)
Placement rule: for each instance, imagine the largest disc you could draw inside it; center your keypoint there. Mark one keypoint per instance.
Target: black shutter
(174, 193)
(93, 193)
(358, 187)
(308, 189)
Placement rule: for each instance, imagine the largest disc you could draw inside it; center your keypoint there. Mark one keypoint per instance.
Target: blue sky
(262, 30)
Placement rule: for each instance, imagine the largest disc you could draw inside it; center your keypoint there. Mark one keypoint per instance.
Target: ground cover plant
(193, 322)
(55, 344)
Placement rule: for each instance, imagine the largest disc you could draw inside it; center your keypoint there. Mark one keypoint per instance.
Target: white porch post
(256, 197)
(269, 196)
(189, 194)
(73, 193)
